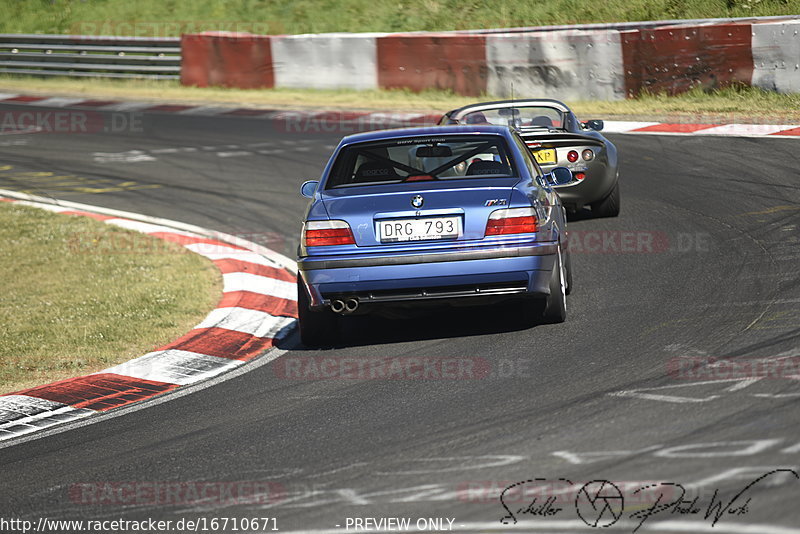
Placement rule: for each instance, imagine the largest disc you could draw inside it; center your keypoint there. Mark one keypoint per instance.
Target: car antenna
(511, 121)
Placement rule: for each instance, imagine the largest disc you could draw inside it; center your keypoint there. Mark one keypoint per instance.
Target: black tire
(555, 309)
(552, 309)
(568, 269)
(317, 328)
(609, 206)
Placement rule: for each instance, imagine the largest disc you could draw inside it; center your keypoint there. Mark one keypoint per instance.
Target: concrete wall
(326, 61)
(776, 56)
(572, 65)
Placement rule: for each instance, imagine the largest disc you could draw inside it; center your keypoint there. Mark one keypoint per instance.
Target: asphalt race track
(702, 263)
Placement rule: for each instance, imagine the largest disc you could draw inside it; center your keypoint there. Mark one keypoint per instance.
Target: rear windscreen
(421, 159)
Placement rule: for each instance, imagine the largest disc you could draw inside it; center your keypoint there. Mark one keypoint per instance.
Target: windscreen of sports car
(421, 159)
(518, 117)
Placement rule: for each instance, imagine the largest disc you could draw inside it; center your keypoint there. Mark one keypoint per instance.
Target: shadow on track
(428, 324)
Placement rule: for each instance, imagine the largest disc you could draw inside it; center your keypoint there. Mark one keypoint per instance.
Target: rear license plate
(419, 229)
(547, 155)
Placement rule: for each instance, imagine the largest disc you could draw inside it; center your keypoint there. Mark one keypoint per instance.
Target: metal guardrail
(91, 56)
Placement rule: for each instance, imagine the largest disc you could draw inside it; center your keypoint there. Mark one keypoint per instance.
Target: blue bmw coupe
(443, 215)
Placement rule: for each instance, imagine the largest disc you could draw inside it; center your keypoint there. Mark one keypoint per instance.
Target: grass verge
(733, 104)
(79, 295)
(163, 18)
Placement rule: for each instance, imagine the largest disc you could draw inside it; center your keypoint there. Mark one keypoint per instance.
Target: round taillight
(587, 155)
(572, 156)
(580, 176)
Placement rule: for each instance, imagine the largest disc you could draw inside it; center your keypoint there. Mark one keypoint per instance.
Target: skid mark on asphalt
(235, 154)
(38, 182)
(769, 211)
(130, 156)
(14, 142)
(783, 313)
(700, 378)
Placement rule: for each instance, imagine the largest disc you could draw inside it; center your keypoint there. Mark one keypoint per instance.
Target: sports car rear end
(426, 216)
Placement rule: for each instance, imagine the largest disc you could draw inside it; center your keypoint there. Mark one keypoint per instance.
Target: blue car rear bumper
(477, 272)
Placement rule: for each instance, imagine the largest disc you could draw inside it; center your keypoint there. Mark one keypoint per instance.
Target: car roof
(472, 129)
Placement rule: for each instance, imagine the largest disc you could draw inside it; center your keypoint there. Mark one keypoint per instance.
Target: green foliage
(171, 17)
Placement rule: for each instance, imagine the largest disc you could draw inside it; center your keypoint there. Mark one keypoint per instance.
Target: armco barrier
(90, 56)
(227, 59)
(675, 59)
(326, 61)
(776, 56)
(433, 61)
(568, 64)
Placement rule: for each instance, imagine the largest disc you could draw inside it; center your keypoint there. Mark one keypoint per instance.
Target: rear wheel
(555, 309)
(568, 270)
(317, 328)
(609, 206)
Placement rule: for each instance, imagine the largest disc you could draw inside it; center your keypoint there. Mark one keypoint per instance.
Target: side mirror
(559, 176)
(595, 125)
(308, 188)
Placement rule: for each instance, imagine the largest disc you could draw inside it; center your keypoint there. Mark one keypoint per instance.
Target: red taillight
(572, 156)
(580, 176)
(326, 233)
(512, 221)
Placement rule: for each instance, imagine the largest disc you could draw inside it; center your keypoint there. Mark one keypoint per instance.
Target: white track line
(174, 366)
(255, 323)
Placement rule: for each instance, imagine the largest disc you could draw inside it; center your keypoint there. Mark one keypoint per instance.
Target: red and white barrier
(570, 64)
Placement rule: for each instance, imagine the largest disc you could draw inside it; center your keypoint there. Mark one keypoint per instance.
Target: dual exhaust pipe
(344, 306)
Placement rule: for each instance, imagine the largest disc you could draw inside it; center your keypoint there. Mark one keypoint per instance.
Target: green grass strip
(80, 295)
(164, 18)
